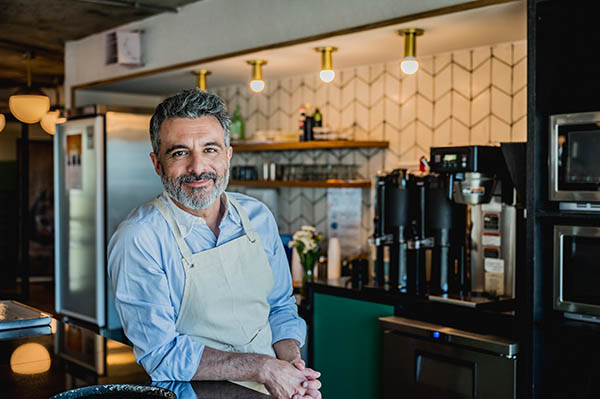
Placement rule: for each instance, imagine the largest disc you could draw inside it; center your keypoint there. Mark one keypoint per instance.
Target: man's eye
(178, 153)
(209, 149)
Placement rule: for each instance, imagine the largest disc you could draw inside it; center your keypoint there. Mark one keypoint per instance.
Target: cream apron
(224, 303)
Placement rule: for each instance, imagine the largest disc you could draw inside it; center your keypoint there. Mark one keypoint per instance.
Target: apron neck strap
(246, 225)
(168, 215)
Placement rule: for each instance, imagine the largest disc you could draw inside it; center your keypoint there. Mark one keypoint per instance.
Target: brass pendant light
(327, 74)
(410, 64)
(201, 78)
(29, 105)
(257, 84)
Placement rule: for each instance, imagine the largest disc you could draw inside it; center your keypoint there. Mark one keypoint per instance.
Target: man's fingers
(310, 373)
(299, 364)
(313, 394)
(311, 384)
(307, 396)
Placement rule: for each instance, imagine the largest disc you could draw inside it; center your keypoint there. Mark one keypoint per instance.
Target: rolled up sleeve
(145, 308)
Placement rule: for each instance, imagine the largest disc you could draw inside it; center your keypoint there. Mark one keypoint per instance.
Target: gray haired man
(201, 281)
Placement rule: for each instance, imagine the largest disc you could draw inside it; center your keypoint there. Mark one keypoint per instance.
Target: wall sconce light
(29, 105)
(410, 64)
(257, 84)
(2, 122)
(50, 120)
(327, 74)
(201, 74)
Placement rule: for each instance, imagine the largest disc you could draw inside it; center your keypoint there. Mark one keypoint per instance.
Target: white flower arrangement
(306, 241)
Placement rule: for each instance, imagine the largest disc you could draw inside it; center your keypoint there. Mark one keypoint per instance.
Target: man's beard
(200, 197)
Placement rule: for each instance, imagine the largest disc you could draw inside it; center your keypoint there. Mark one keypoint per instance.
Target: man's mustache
(192, 177)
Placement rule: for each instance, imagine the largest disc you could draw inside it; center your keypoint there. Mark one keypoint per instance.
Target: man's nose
(197, 163)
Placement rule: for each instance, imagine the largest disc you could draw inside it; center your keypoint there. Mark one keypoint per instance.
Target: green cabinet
(347, 345)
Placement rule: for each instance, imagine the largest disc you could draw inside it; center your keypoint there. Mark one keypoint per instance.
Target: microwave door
(577, 273)
(574, 164)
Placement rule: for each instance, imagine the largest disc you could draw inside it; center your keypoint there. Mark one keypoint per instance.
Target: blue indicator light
(436, 334)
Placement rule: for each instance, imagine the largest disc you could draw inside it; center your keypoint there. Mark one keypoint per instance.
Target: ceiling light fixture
(50, 120)
(410, 64)
(201, 74)
(27, 104)
(257, 84)
(327, 74)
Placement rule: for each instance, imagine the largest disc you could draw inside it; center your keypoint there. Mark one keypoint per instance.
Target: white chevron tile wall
(470, 96)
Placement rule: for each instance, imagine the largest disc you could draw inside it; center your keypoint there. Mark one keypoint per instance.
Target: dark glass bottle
(318, 118)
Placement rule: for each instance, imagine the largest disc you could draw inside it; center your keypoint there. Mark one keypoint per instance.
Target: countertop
(494, 317)
(65, 356)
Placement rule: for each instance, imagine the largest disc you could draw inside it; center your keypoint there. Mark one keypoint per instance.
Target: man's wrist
(262, 369)
(287, 349)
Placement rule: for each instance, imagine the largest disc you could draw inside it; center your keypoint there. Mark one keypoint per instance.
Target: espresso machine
(485, 180)
(451, 232)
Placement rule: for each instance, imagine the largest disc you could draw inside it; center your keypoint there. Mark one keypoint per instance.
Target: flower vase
(307, 276)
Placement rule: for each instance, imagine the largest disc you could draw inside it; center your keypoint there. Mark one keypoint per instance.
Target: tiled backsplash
(471, 96)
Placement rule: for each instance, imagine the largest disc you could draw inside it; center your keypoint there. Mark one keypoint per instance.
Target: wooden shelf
(314, 184)
(308, 145)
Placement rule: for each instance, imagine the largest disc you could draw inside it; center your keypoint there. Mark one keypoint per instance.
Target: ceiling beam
(132, 4)
(54, 55)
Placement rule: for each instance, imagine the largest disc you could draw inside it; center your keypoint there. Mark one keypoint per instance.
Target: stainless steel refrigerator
(102, 170)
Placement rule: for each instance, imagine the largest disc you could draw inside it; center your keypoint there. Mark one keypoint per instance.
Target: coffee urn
(391, 220)
(446, 225)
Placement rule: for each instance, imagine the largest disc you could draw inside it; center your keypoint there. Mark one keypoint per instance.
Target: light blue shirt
(148, 278)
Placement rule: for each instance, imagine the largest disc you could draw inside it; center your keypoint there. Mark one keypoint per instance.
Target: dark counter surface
(42, 363)
(470, 313)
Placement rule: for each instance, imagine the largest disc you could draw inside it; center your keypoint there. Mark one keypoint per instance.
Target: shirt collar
(186, 221)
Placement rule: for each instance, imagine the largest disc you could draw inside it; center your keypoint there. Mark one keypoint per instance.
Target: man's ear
(155, 162)
(229, 152)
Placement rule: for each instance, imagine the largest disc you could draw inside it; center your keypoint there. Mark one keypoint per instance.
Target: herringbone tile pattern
(472, 96)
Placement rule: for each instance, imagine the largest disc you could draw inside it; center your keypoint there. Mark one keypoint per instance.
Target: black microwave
(577, 271)
(574, 161)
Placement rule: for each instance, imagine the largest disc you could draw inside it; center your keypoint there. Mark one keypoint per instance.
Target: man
(201, 281)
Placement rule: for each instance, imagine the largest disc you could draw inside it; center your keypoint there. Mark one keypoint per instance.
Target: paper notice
(493, 265)
(73, 178)
(490, 241)
(343, 218)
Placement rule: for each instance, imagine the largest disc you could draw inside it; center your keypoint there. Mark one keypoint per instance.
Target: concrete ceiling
(43, 27)
(477, 27)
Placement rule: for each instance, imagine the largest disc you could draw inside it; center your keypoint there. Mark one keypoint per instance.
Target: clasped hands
(291, 380)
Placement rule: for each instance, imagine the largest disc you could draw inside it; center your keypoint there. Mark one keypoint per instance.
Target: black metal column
(24, 210)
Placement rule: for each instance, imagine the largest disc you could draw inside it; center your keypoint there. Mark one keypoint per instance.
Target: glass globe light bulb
(2, 122)
(327, 75)
(409, 65)
(257, 85)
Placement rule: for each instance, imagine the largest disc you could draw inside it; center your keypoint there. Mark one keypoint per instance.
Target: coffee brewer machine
(418, 227)
(457, 224)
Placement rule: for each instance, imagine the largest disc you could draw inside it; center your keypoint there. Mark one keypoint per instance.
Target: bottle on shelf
(237, 125)
(302, 112)
(317, 118)
(307, 127)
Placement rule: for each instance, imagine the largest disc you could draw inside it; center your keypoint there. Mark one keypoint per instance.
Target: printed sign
(73, 178)
(343, 217)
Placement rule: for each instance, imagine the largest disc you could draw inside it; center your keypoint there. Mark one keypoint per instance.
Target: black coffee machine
(422, 220)
(414, 217)
(390, 223)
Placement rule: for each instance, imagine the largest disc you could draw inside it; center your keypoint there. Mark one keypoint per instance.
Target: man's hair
(193, 103)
